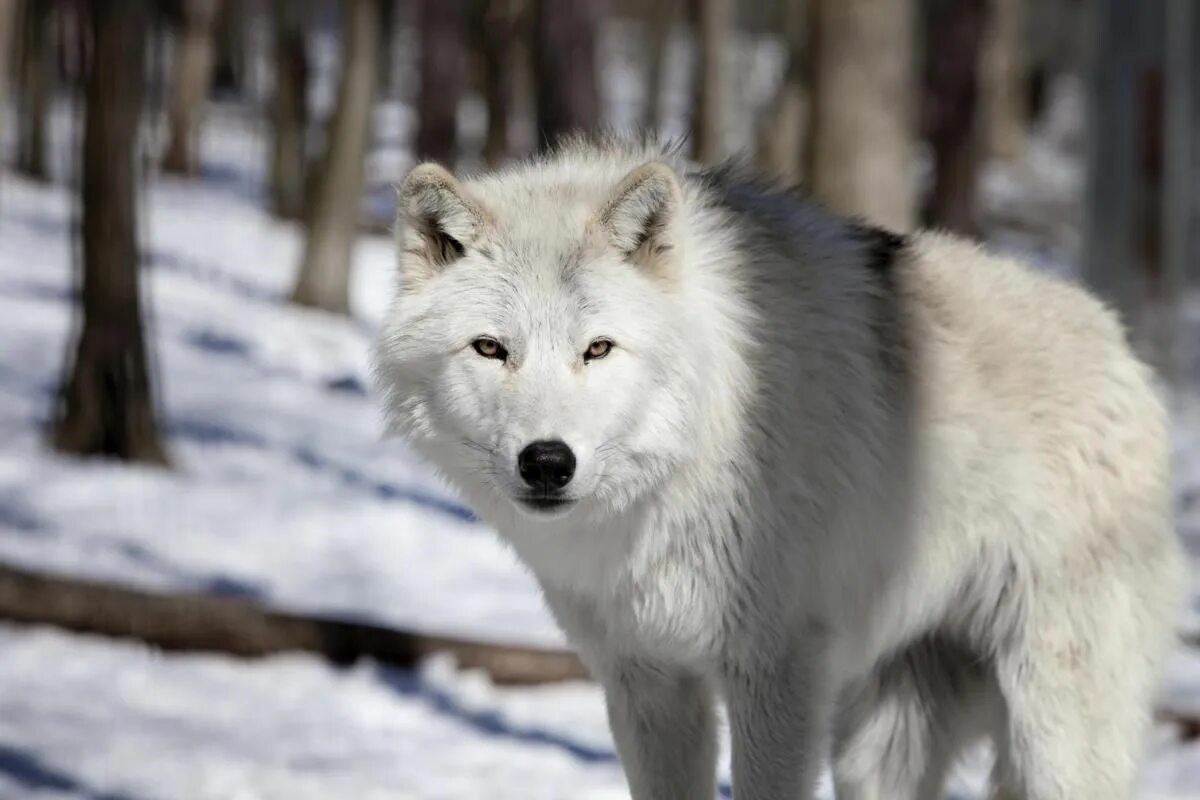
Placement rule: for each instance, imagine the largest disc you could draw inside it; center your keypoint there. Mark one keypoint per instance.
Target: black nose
(546, 466)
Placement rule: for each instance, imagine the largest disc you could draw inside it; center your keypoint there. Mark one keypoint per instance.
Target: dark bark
(660, 17)
(497, 24)
(107, 406)
(388, 13)
(34, 88)
(954, 32)
(289, 109)
(443, 75)
(564, 66)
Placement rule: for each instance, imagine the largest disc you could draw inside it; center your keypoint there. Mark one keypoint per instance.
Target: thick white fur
(979, 543)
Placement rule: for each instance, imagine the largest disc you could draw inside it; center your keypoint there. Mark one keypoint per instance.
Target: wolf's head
(538, 347)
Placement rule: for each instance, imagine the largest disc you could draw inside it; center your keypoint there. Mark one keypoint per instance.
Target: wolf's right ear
(437, 221)
(638, 219)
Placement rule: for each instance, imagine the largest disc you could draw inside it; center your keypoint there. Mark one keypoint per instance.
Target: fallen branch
(191, 622)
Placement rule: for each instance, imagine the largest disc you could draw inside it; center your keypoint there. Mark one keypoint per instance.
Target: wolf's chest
(672, 612)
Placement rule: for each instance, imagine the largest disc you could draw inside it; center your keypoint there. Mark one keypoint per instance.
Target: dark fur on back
(786, 220)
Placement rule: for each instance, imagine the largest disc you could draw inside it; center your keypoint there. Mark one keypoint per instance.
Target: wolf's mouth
(546, 503)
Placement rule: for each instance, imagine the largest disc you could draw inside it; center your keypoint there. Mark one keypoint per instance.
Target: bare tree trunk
(443, 75)
(1111, 258)
(781, 137)
(564, 56)
(34, 89)
(107, 404)
(497, 32)
(289, 109)
(388, 12)
(192, 80)
(324, 280)
(954, 33)
(1005, 112)
(714, 20)
(1181, 200)
(9, 17)
(660, 19)
(229, 68)
(860, 140)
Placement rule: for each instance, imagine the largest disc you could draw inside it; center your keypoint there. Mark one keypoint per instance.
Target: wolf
(881, 494)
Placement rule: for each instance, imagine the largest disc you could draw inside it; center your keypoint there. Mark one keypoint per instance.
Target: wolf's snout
(546, 465)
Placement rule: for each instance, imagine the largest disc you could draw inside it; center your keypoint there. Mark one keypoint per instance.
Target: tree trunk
(1111, 261)
(953, 35)
(714, 19)
(1005, 112)
(191, 82)
(107, 407)
(660, 19)
(781, 137)
(34, 89)
(860, 141)
(324, 280)
(229, 68)
(564, 55)
(9, 17)
(289, 109)
(388, 12)
(497, 40)
(1180, 200)
(443, 73)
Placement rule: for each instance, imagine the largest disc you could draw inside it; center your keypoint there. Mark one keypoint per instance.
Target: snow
(283, 491)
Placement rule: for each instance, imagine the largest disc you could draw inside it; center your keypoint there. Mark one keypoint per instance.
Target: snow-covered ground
(283, 491)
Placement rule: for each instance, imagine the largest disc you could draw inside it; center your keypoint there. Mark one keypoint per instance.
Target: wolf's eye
(597, 349)
(490, 348)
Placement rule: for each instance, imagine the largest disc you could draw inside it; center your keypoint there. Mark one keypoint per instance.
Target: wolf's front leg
(780, 704)
(663, 725)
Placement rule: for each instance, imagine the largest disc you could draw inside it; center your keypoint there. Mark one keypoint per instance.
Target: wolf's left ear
(437, 220)
(638, 219)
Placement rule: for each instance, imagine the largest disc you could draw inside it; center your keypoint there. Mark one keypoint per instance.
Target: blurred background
(216, 579)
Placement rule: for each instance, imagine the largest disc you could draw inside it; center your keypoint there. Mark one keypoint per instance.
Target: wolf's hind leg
(900, 728)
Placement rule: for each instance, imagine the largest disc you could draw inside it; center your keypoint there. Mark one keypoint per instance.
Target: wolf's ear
(638, 219)
(437, 220)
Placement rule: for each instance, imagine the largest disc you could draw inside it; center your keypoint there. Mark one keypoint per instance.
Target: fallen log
(237, 627)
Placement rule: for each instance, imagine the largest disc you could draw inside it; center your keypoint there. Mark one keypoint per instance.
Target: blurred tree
(660, 16)
(388, 14)
(1111, 263)
(1181, 199)
(191, 81)
(35, 75)
(324, 279)
(859, 145)
(443, 75)
(9, 16)
(1004, 77)
(564, 65)
(954, 32)
(289, 21)
(106, 403)
(496, 24)
(781, 137)
(714, 21)
(229, 67)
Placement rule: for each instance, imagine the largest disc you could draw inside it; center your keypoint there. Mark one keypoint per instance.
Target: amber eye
(597, 349)
(490, 348)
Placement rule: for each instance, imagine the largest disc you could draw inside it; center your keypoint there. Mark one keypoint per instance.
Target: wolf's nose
(546, 465)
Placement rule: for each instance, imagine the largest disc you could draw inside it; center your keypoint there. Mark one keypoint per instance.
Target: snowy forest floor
(282, 492)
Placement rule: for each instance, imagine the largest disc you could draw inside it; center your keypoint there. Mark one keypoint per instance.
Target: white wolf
(878, 493)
